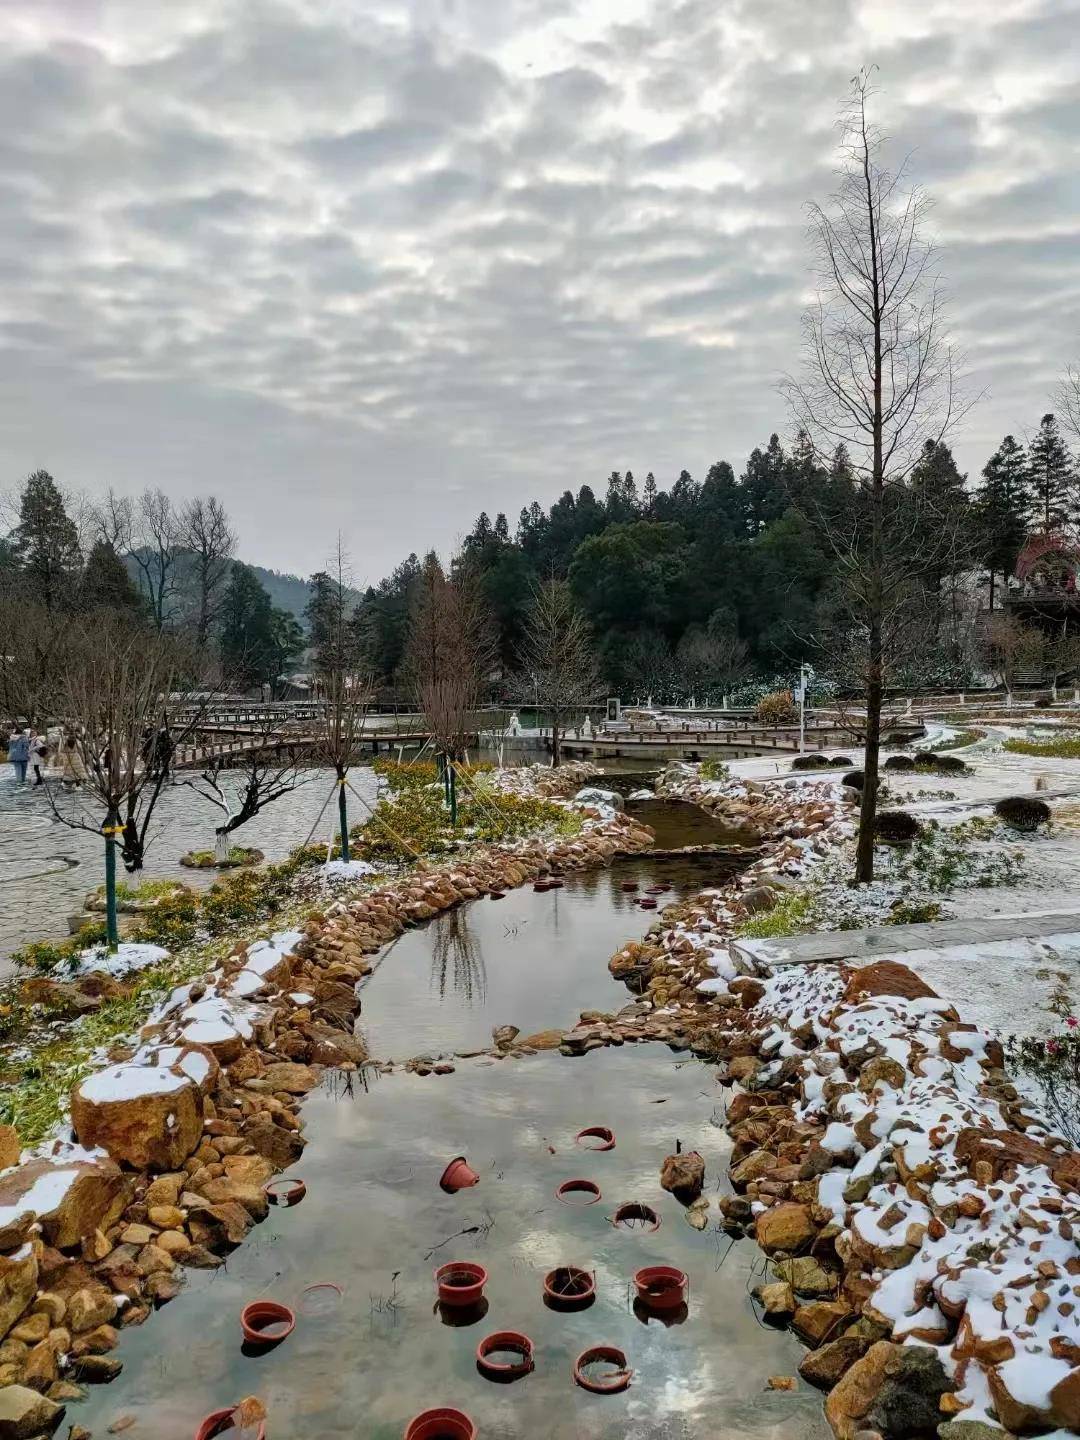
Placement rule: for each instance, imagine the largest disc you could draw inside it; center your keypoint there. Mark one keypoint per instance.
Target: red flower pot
(265, 1322)
(596, 1132)
(460, 1283)
(603, 1385)
(441, 1425)
(458, 1175)
(502, 1341)
(578, 1192)
(661, 1287)
(568, 1287)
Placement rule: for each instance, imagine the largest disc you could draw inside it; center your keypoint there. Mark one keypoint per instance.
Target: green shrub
(809, 762)
(840, 761)
(914, 912)
(1054, 1064)
(930, 762)
(792, 913)
(905, 763)
(1062, 747)
(1023, 812)
(853, 779)
(713, 770)
(897, 827)
(172, 922)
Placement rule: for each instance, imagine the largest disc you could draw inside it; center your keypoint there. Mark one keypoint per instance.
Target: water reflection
(456, 958)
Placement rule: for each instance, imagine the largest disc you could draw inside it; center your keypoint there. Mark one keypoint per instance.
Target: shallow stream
(376, 1223)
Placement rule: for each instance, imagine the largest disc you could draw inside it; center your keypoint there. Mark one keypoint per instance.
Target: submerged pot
(661, 1287)
(458, 1175)
(442, 1424)
(218, 1421)
(265, 1322)
(609, 1384)
(568, 1287)
(460, 1283)
(511, 1340)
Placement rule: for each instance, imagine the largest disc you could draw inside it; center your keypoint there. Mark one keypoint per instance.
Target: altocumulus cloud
(372, 265)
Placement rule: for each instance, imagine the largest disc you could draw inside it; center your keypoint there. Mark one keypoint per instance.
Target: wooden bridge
(234, 744)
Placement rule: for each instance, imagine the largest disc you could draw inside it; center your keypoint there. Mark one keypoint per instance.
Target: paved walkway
(863, 945)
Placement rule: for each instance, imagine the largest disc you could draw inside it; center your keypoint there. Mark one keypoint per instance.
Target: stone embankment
(179, 1131)
(921, 1221)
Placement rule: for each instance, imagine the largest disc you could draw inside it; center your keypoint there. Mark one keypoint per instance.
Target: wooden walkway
(861, 946)
(245, 743)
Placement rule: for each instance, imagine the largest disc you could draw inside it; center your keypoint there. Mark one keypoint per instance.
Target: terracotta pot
(634, 1215)
(661, 1287)
(568, 1287)
(647, 903)
(460, 1283)
(458, 1175)
(609, 1385)
(629, 886)
(578, 1192)
(285, 1192)
(218, 1420)
(505, 1340)
(441, 1425)
(265, 1322)
(596, 1132)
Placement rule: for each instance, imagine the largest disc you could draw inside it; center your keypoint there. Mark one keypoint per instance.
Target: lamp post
(804, 677)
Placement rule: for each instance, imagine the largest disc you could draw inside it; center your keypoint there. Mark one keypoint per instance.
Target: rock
(136, 1234)
(757, 898)
(251, 1197)
(248, 1169)
(777, 1298)
(909, 1402)
(504, 1036)
(1065, 1401)
(280, 1146)
(806, 1276)
(825, 1366)
(162, 1288)
(30, 1329)
(542, 1040)
(697, 1213)
(41, 1367)
(164, 1190)
(95, 1342)
(756, 1165)
(89, 1308)
(150, 1118)
(786, 1227)
(850, 1402)
(743, 1068)
(165, 1217)
(18, 1285)
(10, 1146)
(68, 1201)
(152, 1259)
(62, 1391)
(52, 1305)
(97, 1369)
(886, 977)
(971, 1430)
(1000, 1149)
(173, 1242)
(683, 1175)
(289, 1077)
(748, 990)
(882, 1070)
(24, 1413)
(821, 1320)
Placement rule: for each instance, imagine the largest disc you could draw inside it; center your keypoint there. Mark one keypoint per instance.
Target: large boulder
(683, 1175)
(18, 1285)
(68, 1201)
(146, 1116)
(886, 977)
(894, 1390)
(25, 1414)
(786, 1227)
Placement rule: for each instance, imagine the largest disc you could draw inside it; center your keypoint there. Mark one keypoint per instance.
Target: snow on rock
(347, 869)
(127, 958)
(147, 1116)
(65, 1201)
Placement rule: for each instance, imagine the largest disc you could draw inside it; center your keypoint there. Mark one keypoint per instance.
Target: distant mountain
(287, 592)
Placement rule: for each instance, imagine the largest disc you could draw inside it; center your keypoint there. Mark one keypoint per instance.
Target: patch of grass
(1062, 747)
(945, 859)
(791, 915)
(914, 912)
(145, 890)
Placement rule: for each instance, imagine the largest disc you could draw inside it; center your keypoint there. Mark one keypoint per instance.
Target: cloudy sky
(374, 265)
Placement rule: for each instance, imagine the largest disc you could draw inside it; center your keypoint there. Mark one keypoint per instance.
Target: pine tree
(1003, 509)
(106, 583)
(248, 641)
(1053, 477)
(648, 496)
(47, 543)
(764, 486)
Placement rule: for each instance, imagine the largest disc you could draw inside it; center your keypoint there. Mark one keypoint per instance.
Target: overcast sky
(374, 265)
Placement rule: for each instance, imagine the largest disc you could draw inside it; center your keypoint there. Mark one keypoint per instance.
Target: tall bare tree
(449, 657)
(558, 666)
(205, 533)
(148, 531)
(34, 647)
(121, 686)
(1067, 400)
(877, 379)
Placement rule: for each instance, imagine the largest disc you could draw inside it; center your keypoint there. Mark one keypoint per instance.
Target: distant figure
(19, 754)
(72, 769)
(39, 752)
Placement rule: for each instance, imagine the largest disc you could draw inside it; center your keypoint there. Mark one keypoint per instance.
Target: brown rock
(886, 977)
(777, 1298)
(743, 1068)
(251, 1197)
(148, 1129)
(683, 1175)
(1065, 1401)
(164, 1190)
(882, 1070)
(821, 1320)
(756, 1165)
(172, 1242)
(786, 1227)
(52, 1305)
(162, 1288)
(18, 1284)
(1000, 1149)
(1014, 1414)
(825, 1366)
(166, 1217)
(248, 1169)
(291, 1078)
(89, 1308)
(98, 1341)
(31, 1328)
(152, 1259)
(542, 1040)
(97, 1369)
(850, 1401)
(82, 1196)
(136, 1234)
(280, 1146)
(10, 1146)
(25, 1414)
(41, 1367)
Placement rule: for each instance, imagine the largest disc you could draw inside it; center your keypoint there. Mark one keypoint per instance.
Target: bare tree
(149, 532)
(449, 656)
(241, 788)
(878, 379)
(120, 687)
(710, 660)
(346, 695)
(558, 666)
(1067, 400)
(205, 533)
(34, 646)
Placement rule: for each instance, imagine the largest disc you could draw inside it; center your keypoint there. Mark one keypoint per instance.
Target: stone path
(860, 945)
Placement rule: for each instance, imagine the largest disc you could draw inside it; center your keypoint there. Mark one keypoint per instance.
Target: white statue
(514, 727)
(586, 729)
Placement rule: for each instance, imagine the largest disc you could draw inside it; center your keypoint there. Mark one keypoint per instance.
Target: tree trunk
(343, 819)
(556, 738)
(112, 934)
(452, 776)
(221, 844)
(864, 855)
(991, 592)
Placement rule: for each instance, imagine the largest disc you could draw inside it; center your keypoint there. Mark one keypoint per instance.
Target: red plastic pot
(568, 1287)
(609, 1384)
(634, 1215)
(218, 1421)
(441, 1425)
(542, 885)
(587, 1191)
(285, 1192)
(511, 1340)
(265, 1322)
(661, 1287)
(629, 886)
(596, 1132)
(460, 1283)
(647, 903)
(458, 1175)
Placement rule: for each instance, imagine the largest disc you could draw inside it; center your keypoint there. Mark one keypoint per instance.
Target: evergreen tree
(502, 529)
(1003, 509)
(648, 496)
(248, 642)
(935, 478)
(1053, 477)
(46, 543)
(106, 583)
(764, 486)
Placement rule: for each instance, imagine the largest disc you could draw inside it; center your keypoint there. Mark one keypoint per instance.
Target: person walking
(72, 769)
(19, 754)
(38, 756)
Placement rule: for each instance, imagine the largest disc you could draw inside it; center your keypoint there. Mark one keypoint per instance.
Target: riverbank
(919, 1215)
